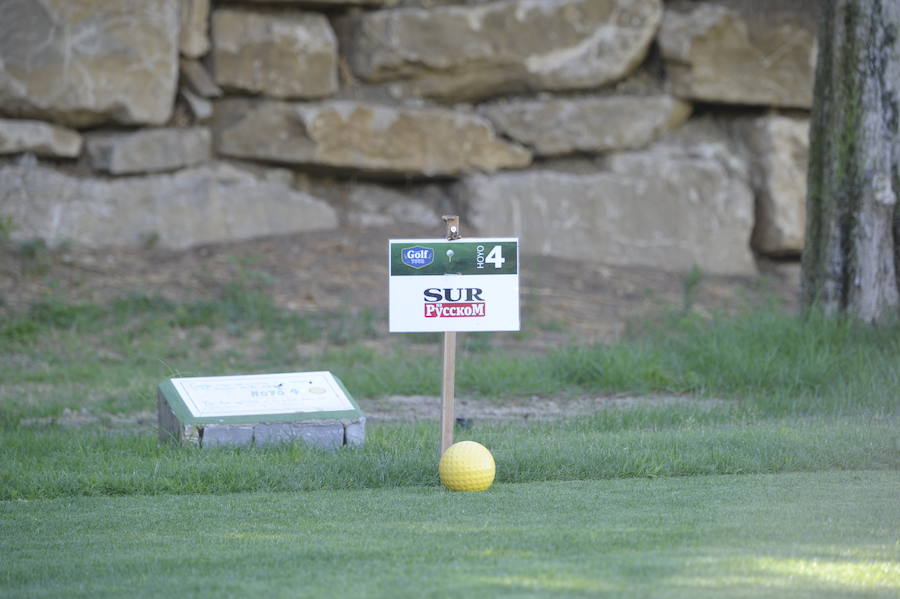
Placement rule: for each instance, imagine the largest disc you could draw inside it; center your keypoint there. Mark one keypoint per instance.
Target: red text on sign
(462, 310)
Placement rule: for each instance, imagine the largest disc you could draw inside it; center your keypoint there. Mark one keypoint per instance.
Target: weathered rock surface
(149, 150)
(470, 52)
(586, 124)
(379, 205)
(665, 207)
(779, 153)
(198, 80)
(83, 62)
(741, 52)
(364, 137)
(207, 204)
(282, 55)
(194, 39)
(37, 137)
(375, 126)
(321, 3)
(200, 107)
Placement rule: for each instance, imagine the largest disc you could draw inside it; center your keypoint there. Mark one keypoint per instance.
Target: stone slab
(198, 79)
(468, 52)
(280, 55)
(669, 207)
(205, 204)
(362, 136)
(194, 38)
(39, 138)
(84, 62)
(224, 435)
(563, 125)
(779, 153)
(738, 52)
(149, 150)
(324, 3)
(200, 107)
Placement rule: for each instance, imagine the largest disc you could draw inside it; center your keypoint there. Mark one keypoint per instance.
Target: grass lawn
(37, 465)
(828, 534)
(778, 475)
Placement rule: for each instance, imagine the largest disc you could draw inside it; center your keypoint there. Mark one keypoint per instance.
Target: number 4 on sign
(495, 257)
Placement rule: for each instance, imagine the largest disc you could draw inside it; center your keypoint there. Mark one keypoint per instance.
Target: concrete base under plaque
(312, 408)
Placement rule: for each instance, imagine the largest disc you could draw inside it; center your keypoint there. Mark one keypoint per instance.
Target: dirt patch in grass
(408, 408)
(422, 407)
(139, 421)
(563, 301)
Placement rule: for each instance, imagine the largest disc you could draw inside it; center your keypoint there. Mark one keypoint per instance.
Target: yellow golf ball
(467, 466)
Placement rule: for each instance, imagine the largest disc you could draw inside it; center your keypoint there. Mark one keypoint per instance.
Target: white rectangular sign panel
(287, 393)
(438, 285)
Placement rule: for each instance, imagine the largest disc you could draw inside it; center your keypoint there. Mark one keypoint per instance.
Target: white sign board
(437, 285)
(289, 393)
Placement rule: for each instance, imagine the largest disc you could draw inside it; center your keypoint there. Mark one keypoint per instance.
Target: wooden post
(447, 391)
(448, 387)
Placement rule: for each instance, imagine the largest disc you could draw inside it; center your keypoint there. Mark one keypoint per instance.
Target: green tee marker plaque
(259, 409)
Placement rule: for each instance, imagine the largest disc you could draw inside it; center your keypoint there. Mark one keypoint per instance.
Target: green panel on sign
(415, 258)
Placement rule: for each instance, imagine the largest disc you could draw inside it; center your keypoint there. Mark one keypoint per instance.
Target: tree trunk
(851, 263)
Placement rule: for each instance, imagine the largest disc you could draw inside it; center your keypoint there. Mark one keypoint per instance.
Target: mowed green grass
(617, 444)
(830, 534)
(775, 473)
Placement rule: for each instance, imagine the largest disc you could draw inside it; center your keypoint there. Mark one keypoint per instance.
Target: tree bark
(851, 263)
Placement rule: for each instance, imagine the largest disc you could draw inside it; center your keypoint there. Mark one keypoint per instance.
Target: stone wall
(632, 132)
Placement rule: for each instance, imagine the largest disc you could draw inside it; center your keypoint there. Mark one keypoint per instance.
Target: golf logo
(459, 302)
(417, 257)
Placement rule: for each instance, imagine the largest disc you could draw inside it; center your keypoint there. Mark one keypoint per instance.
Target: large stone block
(779, 153)
(83, 62)
(39, 138)
(212, 203)
(365, 137)
(149, 150)
(666, 207)
(226, 435)
(741, 52)
(555, 126)
(282, 55)
(470, 52)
